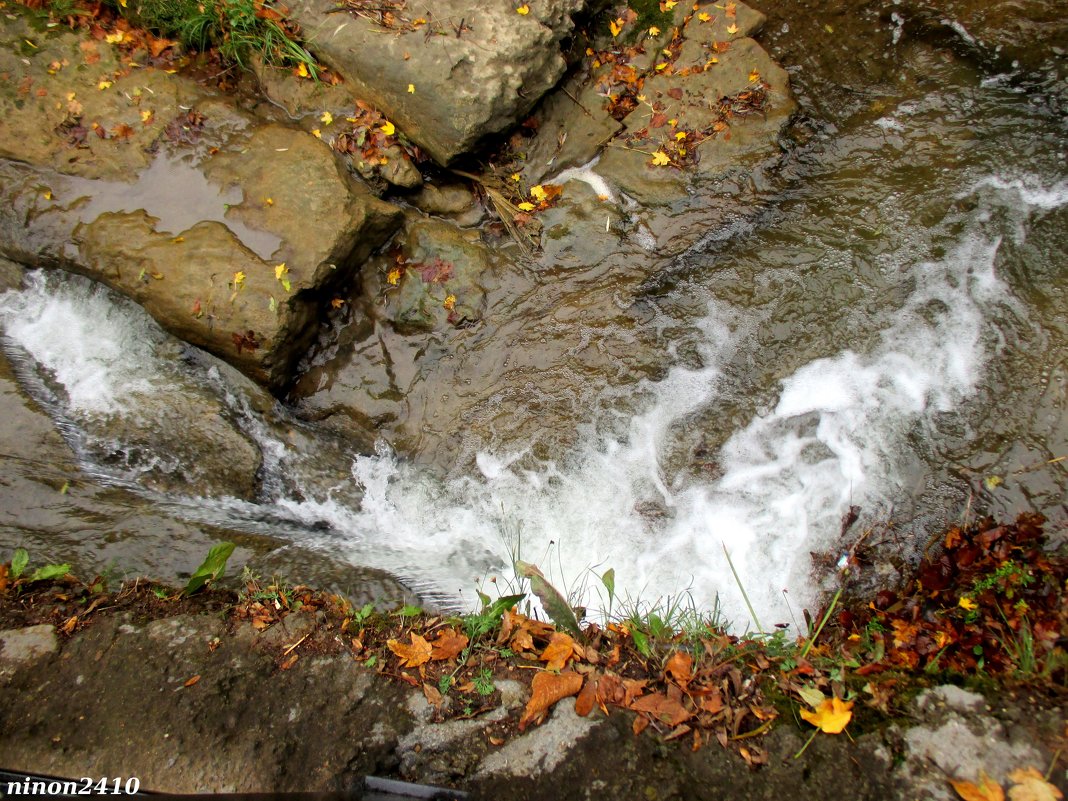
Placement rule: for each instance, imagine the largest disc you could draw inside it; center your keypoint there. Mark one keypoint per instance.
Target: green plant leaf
(19, 561)
(609, 581)
(641, 642)
(212, 569)
(50, 572)
(555, 604)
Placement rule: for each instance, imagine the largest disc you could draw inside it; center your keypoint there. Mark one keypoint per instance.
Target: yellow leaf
(524, 206)
(831, 716)
(317, 133)
(669, 4)
(146, 116)
(394, 276)
(1030, 785)
(616, 26)
(754, 76)
(733, 29)
(704, 17)
(280, 270)
(967, 603)
(239, 278)
(680, 135)
(302, 71)
(450, 302)
(411, 88)
(662, 65)
(103, 85)
(986, 790)
(122, 3)
(327, 118)
(673, 122)
(388, 128)
(661, 159)
(268, 201)
(538, 193)
(413, 655)
(515, 177)
(654, 31)
(828, 28)
(523, 9)
(115, 38)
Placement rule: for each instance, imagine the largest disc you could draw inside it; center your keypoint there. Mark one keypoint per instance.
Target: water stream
(889, 334)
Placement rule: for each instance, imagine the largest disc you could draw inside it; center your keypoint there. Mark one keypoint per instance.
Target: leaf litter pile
(990, 604)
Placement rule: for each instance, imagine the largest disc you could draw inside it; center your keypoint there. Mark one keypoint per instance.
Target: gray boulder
(451, 74)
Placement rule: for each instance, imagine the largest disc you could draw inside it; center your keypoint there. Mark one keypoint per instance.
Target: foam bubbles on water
(94, 347)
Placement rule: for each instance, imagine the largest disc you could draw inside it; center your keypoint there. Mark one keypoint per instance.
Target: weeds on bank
(990, 604)
(237, 29)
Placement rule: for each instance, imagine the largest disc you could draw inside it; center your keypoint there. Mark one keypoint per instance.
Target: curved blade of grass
(745, 596)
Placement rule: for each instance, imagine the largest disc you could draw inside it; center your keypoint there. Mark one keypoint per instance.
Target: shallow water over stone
(881, 325)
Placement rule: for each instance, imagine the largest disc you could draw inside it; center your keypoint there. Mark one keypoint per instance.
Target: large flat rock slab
(231, 233)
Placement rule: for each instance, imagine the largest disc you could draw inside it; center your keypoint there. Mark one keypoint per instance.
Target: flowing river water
(887, 332)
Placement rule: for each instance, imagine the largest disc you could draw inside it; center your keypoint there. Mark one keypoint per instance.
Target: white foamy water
(832, 439)
(102, 353)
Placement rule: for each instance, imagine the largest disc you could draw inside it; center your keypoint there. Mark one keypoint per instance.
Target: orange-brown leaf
(546, 689)
(666, 710)
(558, 651)
(679, 667)
(192, 681)
(587, 697)
(448, 645)
(413, 655)
(986, 790)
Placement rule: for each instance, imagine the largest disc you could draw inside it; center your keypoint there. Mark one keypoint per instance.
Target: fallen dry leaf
(679, 667)
(558, 651)
(448, 645)
(1030, 785)
(986, 790)
(413, 655)
(831, 716)
(192, 681)
(666, 710)
(587, 697)
(546, 689)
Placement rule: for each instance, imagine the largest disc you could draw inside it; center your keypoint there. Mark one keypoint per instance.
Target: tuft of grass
(236, 27)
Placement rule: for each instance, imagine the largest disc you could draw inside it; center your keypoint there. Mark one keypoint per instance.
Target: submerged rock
(473, 70)
(232, 234)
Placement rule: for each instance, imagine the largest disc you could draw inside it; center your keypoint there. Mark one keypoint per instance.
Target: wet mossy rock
(218, 201)
(468, 82)
(443, 283)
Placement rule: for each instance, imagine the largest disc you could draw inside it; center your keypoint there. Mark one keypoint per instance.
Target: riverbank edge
(281, 687)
